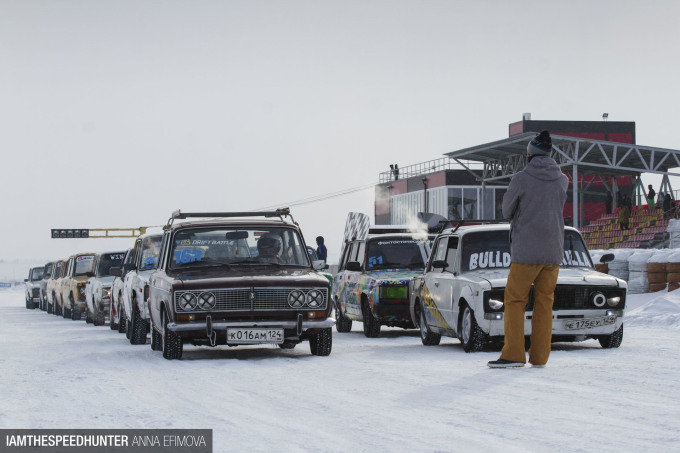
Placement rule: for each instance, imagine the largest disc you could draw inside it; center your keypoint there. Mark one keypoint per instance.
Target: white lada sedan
(460, 294)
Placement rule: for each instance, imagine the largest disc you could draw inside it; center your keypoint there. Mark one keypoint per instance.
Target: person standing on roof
(533, 203)
(321, 249)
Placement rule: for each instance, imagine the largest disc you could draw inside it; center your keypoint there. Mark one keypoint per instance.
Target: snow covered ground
(384, 394)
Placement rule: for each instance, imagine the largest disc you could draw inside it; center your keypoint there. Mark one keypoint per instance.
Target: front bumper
(495, 327)
(185, 329)
(387, 311)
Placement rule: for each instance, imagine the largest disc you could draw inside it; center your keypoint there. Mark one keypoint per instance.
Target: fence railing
(423, 168)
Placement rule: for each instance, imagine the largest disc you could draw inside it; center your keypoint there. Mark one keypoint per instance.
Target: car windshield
(84, 265)
(393, 253)
(151, 248)
(107, 261)
(36, 274)
(47, 270)
(242, 246)
(491, 249)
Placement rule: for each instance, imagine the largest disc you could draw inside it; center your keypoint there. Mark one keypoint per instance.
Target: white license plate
(254, 335)
(589, 323)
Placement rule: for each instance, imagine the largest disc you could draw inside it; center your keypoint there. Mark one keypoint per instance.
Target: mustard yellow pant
(520, 279)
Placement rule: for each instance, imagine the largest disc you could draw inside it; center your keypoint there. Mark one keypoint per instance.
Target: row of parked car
(249, 278)
(240, 278)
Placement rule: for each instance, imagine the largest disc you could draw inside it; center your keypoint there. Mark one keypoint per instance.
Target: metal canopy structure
(603, 159)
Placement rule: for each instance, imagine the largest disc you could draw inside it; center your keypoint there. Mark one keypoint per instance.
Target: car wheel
(342, 322)
(427, 337)
(612, 341)
(112, 325)
(121, 319)
(65, 312)
(156, 339)
(371, 325)
(75, 313)
(471, 336)
(172, 343)
(29, 304)
(98, 316)
(139, 326)
(321, 342)
(88, 315)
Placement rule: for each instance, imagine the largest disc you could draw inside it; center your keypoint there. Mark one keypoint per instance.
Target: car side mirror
(607, 258)
(115, 271)
(25, 279)
(318, 265)
(353, 266)
(440, 264)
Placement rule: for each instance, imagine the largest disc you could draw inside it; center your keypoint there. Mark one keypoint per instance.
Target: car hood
(221, 278)
(497, 278)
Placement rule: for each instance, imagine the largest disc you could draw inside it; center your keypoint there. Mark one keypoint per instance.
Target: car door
(130, 275)
(440, 285)
(66, 282)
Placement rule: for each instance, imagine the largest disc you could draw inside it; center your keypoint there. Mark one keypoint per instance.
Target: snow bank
(661, 311)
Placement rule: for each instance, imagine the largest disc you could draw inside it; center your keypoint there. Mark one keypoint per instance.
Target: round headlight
(613, 301)
(598, 299)
(495, 304)
(296, 299)
(187, 301)
(315, 298)
(206, 301)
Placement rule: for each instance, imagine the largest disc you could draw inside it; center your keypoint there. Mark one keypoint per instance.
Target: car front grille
(579, 297)
(36, 292)
(252, 299)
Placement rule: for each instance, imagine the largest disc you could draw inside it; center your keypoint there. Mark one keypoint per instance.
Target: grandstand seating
(646, 226)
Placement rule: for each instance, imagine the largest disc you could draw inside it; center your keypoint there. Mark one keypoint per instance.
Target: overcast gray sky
(116, 113)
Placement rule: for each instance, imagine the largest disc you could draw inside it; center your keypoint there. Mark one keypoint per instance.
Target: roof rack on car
(471, 222)
(280, 213)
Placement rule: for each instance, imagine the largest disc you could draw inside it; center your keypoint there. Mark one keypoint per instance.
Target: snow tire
(342, 323)
(65, 312)
(139, 326)
(371, 325)
(612, 341)
(470, 334)
(427, 337)
(98, 318)
(156, 339)
(321, 342)
(172, 343)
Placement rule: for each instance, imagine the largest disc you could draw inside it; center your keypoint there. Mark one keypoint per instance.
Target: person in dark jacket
(667, 203)
(533, 203)
(321, 249)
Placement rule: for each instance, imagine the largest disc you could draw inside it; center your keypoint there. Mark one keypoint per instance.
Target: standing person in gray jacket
(533, 203)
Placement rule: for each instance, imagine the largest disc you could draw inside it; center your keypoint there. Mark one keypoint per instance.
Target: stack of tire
(638, 281)
(673, 271)
(619, 266)
(656, 271)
